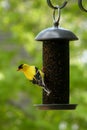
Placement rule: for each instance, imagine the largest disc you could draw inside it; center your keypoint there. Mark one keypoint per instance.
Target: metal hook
(56, 7)
(56, 22)
(81, 6)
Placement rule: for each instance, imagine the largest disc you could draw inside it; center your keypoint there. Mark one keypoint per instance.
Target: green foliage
(20, 22)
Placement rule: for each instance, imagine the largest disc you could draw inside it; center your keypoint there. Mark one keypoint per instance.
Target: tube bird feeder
(56, 67)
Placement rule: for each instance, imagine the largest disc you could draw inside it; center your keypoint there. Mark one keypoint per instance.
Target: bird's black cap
(20, 67)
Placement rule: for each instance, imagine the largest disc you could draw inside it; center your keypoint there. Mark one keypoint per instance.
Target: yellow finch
(33, 74)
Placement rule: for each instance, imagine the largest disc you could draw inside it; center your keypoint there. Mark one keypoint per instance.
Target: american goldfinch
(33, 74)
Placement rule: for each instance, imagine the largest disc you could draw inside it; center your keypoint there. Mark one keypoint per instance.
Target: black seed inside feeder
(56, 67)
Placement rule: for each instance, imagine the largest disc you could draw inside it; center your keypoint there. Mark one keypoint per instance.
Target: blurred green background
(20, 22)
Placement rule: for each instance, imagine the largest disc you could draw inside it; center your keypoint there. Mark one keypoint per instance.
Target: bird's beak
(18, 69)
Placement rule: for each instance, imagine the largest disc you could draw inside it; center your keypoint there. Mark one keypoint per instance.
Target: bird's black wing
(39, 81)
(37, 78)
(37, 75)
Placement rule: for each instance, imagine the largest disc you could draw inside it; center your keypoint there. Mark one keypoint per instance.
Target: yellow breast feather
(30, 72)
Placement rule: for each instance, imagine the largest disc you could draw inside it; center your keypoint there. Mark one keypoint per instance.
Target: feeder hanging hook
(56, 21)
(81, 5)
(56, 7)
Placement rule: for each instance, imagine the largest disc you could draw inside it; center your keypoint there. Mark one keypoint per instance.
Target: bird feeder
(55, 42)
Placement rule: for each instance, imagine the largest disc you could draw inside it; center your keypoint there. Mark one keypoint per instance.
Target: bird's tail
(46, 89)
